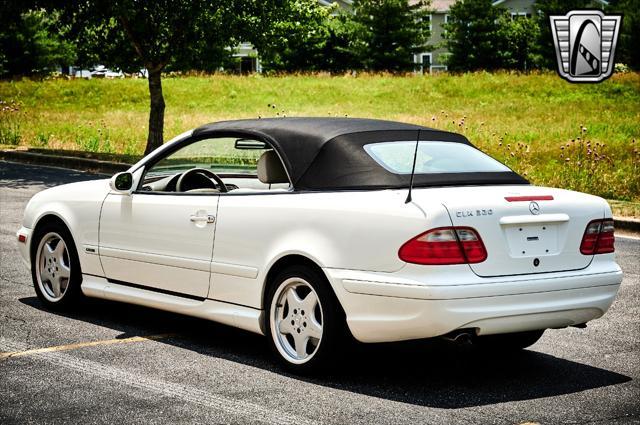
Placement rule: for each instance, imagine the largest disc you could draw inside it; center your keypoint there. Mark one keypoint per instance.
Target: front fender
(78, 206)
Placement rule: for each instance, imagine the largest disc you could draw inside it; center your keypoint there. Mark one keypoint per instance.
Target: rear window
(433, 157)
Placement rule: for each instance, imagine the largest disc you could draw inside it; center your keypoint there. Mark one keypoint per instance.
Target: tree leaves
(33, 42)
(385, 34)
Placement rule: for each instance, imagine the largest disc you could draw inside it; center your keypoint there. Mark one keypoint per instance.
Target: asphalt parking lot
(115, 363)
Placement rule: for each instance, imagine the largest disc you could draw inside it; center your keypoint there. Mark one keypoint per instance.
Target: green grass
(534, 123)
(625, 209)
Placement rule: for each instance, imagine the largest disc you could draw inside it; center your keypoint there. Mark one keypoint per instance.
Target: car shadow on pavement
(433, 373)
(26, 176)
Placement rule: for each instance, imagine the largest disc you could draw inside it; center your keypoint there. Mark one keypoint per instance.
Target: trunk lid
(522, 236)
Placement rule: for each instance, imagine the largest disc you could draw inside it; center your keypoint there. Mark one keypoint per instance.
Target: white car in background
(99, 71)
(102, 71)
(308, 230)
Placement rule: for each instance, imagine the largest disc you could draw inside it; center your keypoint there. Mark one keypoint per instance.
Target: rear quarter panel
(340, 230)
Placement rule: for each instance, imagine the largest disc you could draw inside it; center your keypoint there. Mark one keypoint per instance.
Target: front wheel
(305, 322)
(55, 268)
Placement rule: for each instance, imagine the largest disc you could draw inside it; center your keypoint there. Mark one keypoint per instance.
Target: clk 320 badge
(472, 213)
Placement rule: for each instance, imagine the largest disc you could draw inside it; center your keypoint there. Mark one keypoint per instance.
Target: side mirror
(122, 182)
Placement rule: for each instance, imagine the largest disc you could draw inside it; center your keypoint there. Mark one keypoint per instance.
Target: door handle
(203, 218)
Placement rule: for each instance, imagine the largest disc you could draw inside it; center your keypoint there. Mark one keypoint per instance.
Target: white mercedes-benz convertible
(309, 230)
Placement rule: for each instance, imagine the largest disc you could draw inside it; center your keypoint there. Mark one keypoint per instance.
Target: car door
(161, 235)
(163, 242)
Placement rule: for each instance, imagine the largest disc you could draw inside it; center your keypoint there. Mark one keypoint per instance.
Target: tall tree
(386, 34)
(154, 34)
(472, 35)
(628, 50)
(296, 39)
(545, 48)
(32, 41)
(516, 43)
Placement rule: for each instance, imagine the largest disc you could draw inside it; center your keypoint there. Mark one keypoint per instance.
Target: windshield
(432, 157)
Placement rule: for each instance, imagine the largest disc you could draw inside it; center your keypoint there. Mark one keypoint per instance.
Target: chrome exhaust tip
(460, 336)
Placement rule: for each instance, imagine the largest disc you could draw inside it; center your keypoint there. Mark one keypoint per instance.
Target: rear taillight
(598, 237)
(444, 245)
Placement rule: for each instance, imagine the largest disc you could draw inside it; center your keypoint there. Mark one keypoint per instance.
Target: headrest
(270, 168)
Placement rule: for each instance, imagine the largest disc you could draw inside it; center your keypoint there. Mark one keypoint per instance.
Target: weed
(131, 148)
(10, 120)
(91, 144)
(42, 140)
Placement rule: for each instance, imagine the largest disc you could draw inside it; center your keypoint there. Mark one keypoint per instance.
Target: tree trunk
(155, 139)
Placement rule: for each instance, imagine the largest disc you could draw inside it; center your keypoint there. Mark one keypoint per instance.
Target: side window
(233, 160)
(219, 155)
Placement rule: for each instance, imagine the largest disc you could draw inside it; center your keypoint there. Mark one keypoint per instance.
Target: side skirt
(242, 317)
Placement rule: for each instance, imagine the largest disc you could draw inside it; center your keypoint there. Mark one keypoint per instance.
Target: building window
(438, 68)
(423, 62)
(447, 19)
(520, 15)
(430, 19)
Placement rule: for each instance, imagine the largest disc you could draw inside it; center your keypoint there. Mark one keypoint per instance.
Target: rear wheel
(508, 342)
(55, 268)
(305, 323)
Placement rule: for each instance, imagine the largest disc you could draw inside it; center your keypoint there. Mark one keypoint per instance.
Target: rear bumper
(403, 309)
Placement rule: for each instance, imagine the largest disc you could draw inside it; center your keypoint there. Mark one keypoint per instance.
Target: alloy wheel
(53, 268)
(296, 320)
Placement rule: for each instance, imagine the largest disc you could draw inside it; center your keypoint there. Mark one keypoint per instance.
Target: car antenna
(413, 169)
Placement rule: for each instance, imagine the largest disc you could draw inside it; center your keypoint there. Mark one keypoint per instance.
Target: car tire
(305, 324)
(508, 342)
(55, 267)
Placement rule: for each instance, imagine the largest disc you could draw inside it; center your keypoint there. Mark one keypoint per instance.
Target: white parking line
(251, 411)
(632, 237)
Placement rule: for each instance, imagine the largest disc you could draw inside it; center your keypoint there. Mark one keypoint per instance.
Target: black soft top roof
(327, 153)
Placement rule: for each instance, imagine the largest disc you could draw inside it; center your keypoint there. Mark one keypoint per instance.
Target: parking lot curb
(72, 162)
(624, 223)
(112, 167)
